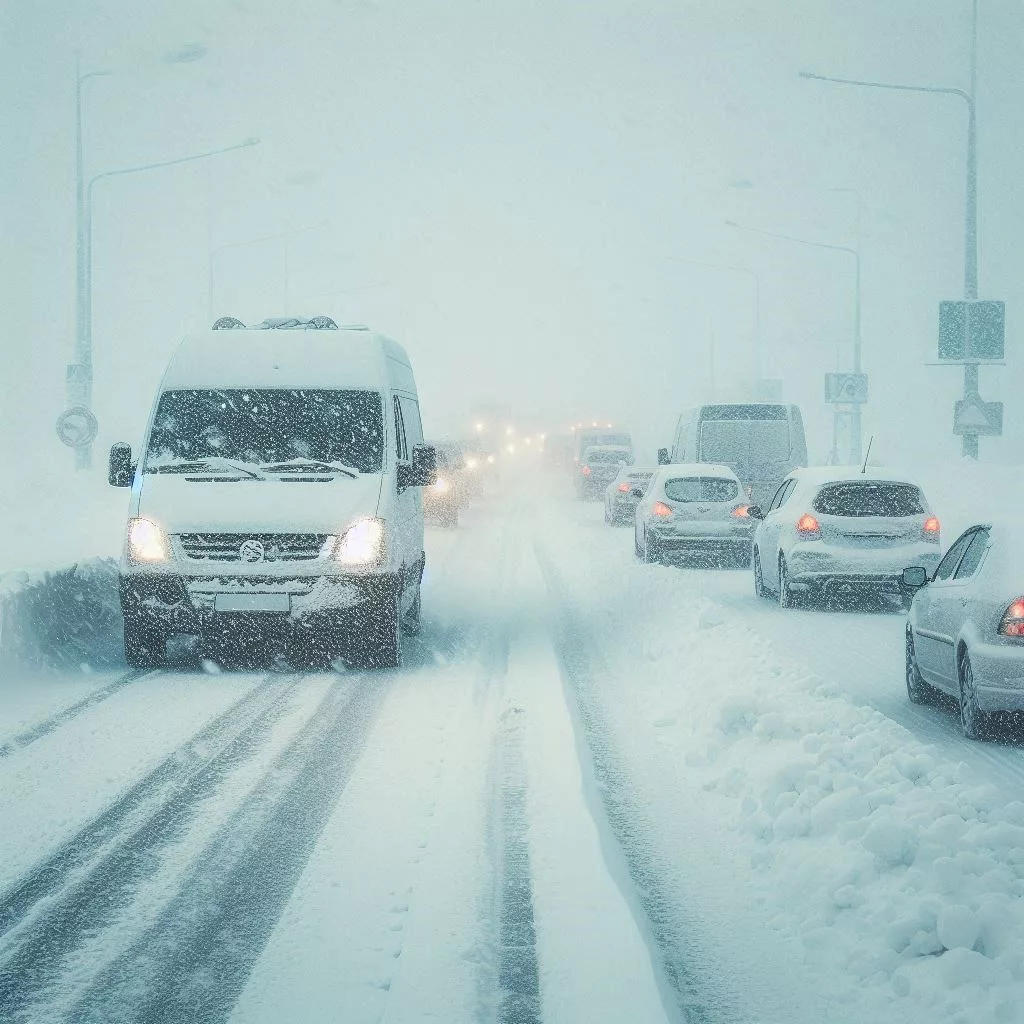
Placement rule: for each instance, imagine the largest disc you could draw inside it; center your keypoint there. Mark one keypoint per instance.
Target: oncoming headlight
(362, 543)
(147, 542)
(471, 463)
(441, 485)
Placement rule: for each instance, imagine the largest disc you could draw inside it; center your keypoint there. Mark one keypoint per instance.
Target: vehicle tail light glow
(808, 527)
(624, 488)
(741, 511)
(1013, 620)
(932, 529)
(585, 471)
(661, 509)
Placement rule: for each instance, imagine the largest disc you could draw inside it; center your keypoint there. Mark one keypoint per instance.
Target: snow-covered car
(278, 489)
(623, 494)
(599, 467)
(836, 530)
(965, 631)
(694, 508)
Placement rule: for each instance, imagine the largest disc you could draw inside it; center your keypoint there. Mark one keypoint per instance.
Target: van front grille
(259, 547)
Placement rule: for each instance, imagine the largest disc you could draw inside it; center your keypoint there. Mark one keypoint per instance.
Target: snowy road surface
(597, 791)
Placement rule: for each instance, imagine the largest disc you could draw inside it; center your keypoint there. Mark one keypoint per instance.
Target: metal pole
(969, 442)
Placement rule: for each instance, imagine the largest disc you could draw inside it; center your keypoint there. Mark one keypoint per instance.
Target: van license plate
(252, 603)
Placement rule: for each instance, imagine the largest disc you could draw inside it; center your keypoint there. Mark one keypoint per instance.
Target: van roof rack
(291, 323)
(228, 323)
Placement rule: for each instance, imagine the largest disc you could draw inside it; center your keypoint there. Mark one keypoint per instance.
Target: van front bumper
(193, 604)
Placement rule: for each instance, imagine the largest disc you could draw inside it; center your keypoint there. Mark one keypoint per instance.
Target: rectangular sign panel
(971, 331)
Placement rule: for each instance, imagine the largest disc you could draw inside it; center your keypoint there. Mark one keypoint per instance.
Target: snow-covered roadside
(901, 877)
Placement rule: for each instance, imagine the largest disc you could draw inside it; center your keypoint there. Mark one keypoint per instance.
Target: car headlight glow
(362, 543)
(471, 463)
(441, 485)
(147, 542)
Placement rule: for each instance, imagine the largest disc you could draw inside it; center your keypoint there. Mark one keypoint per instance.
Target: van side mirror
(422, 471)
(915, 577)
(755, 512)
(120, 471)
(663, 457)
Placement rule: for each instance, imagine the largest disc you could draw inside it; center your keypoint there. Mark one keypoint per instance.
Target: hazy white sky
(502, 186)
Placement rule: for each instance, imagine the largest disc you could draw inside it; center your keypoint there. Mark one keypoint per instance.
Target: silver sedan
(965, 631)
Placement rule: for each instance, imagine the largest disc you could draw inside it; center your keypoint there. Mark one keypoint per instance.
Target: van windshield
(267, 427)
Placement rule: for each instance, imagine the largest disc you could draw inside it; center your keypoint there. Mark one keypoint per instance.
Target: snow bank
(902, 877)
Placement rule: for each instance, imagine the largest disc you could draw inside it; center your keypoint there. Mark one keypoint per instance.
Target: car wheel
(973, 720)
(144, 646)
(637, 550)
(378, 637)
(918, 690)
(787, 598)
(412, 616)
(652, 553)
(759, 588)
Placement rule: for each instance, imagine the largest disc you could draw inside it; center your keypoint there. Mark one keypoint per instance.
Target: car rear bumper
(702, 536)
(812, 565)
(999, 676)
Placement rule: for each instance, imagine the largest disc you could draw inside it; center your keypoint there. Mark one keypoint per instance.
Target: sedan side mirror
(663, 457)
(422, 471)
(120, 471)
(754, 511)
(915, 577)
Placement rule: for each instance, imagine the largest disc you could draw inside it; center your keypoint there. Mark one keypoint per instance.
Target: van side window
(411, 418)
(401, 443)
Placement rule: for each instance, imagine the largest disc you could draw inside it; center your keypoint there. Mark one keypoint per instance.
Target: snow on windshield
(268, 427)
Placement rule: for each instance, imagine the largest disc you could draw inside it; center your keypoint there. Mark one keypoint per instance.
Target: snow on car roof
(850, 474)
(288, 359)
(697, 469)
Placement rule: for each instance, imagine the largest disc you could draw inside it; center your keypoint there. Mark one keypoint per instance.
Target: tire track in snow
(658, 894)
(75, 890)
(68, 714)
(192, 963)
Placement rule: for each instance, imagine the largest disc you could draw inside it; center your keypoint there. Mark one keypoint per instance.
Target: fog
(510, 190)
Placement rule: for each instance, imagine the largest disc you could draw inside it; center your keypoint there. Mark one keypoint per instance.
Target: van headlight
(362, 543)
(441, 485)
(147, 542)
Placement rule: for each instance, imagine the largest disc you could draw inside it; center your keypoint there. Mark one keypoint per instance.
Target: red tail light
(585, 471)
(1013, 619)
(808, 527)
(661, 509)
(741, 511)
(624, 488)
(931, 529)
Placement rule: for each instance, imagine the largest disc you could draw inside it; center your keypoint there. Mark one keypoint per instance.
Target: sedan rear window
(701, 488)
(871, 498)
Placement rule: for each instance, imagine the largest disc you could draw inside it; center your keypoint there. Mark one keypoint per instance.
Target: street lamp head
(731, 224)
(252, 140)
(186, 53)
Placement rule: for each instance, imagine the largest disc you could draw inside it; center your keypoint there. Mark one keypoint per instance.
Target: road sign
(77, 427)
(971, 332)
(846, 388)
(975, 417)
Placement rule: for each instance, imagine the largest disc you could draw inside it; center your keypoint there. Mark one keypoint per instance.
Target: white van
(279, 488)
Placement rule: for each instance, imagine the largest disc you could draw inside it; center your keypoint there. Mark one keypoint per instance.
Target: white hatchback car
(836, 530)
(624, 493)
(694, 508)
(965, 631)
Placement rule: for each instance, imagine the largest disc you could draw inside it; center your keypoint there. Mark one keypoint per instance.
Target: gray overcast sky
(501, 186)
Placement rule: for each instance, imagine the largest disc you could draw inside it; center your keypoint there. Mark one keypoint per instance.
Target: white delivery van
(279, 488)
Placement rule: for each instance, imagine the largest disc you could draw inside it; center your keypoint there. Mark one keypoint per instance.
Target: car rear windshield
(870, 498)
(613, 457)
(744, 412)
(267, 426)
(644, 477)
(701, 488)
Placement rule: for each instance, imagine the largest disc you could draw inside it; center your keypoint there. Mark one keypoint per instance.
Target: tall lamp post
(855, 417)
(970, 441)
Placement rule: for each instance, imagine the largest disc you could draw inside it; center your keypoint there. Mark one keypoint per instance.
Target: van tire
(412, 616)
(144, 647)
(378, 637)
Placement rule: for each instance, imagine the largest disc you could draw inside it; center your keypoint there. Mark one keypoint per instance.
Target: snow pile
(902, 878)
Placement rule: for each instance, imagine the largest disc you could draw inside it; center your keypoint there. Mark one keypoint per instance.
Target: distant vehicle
(762, 442)
(623, 494)
(448, 493)
(965, 631)
(694, 509)
(832, 530)
(279, 487)
(598, 467)
(591, 437)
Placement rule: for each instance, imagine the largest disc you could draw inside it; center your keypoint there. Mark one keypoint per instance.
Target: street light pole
(758, 358)
(855, 418)
(969, 446)
(83, 350)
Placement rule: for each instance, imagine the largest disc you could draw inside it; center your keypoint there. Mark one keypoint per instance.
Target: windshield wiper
(307, 465)
(216, 464)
